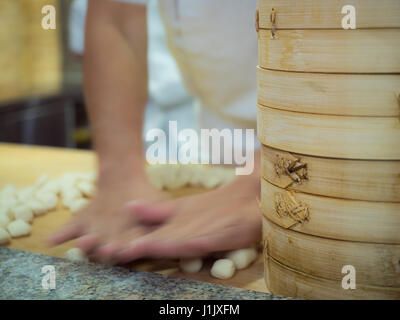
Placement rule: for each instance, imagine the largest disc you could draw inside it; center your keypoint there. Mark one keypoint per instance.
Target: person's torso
(215, 45)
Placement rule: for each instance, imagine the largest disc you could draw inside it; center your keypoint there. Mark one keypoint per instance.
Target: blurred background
(41, 100)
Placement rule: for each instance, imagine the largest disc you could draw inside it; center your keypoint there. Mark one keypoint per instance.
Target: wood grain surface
(375, 264)
(335, 94)
(288, 282)
(311, 14)
(22, 165)
(369, 138)
(342, 51)
(349, 179)
(335, 218)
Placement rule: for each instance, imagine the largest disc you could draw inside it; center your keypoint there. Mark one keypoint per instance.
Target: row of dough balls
(221, 269)
(18, 208)
(176, 176)
(224, 268)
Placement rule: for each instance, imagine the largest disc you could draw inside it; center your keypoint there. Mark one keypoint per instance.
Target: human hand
(220, 220)
(107, 216)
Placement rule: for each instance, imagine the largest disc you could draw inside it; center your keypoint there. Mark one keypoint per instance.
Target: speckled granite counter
(21, 278)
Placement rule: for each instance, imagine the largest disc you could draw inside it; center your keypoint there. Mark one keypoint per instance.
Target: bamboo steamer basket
(305, 14)
(369, 138)
(334, 218)
(285, 281)
(343, 51)
(372, 180)
(336, 94)
(375, 264)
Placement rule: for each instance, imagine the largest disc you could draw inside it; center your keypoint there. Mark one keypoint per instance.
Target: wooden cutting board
(21, 165)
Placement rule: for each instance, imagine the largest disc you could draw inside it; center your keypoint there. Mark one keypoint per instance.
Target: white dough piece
(19, 228)
(25, 194)
(69, 194)
(76, 254)
(9, 202)
(38, 207)
(198, 171)
(242, 258)
(86, 188)
(52, 186)
(4, 220)
(154, 174)
(48, 199)
(223, 269)
(7, 211)
(192, 265)
(4, 236)
(8, 192)
(210, 180)
(23, 212)
(78, 204)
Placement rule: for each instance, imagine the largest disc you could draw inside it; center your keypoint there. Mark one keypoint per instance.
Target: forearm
(115, 86)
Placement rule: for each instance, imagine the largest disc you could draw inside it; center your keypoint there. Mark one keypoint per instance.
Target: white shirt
(215, 45)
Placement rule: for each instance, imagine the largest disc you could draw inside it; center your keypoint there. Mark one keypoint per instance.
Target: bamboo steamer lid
(333, 218)
(370, 180)
(287, 282)
(305, 14)
(375, 264)
(343, 51)
(335, 94)
(369, 138)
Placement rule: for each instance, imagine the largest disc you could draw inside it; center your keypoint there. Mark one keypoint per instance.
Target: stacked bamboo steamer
(329, 124)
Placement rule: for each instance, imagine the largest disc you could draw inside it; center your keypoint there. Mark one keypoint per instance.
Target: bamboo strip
(342, 51)
(335, 94)
(375, 264)
(349, 179)
(305, 14)
(330, 136)
(291, 283)
(333, 218)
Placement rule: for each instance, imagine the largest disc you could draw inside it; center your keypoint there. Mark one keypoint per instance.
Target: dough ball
(7, 192)
(196, 178)
(19, 228)
(192, 265)
(6, 210)
(48, 199)
(86, 188)
(38, 208)
(70, 194)
(242, 258)
(4, 236)
(78, 204)
(25, 194)
(23, 212)
(52, 186)
(4, 220)
(76, 254)
(155, 176)
(223, 269)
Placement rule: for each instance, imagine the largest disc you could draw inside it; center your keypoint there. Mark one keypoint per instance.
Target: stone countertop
(21, 278)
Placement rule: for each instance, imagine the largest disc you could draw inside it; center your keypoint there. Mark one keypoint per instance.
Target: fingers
(66, 233)
(87, 243)
(151, 213)
(160, 243)
(226, 240)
